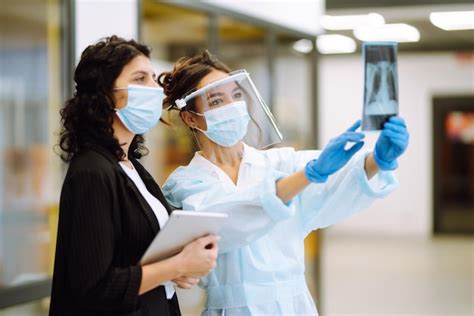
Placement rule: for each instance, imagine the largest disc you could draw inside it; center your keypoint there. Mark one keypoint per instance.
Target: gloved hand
(334, 156)
(391, 144)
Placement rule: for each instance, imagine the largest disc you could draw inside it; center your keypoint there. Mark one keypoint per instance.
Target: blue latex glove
(334, 156)
(392, 142)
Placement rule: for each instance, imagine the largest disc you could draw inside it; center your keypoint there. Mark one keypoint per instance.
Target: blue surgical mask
(228, 124)
(143, 109)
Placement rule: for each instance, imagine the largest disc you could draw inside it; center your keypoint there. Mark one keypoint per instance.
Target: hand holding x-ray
(391, 144)
(381, 84)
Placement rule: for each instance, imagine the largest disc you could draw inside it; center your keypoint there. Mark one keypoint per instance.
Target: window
(30, 172)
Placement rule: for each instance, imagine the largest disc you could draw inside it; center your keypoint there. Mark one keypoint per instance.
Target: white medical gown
(260, 268)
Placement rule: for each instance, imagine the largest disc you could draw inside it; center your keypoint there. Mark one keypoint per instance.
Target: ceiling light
(398, 32)
(303, 46)
(453, 21)
(335, 44)
(350, 22)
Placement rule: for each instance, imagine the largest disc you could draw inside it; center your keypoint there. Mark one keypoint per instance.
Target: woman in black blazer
(106, 218)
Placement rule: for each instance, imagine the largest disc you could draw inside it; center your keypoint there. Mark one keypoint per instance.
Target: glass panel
(171, 32)
(30, 172)
(293, 109)
(293, 94)
(242, 46)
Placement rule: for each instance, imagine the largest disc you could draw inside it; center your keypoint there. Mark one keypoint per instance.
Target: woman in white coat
(274, 197)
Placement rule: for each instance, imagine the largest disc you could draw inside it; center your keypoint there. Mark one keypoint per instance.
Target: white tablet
(182, 228)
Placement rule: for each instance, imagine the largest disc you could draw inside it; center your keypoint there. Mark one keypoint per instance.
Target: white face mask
(228, 124)
(143, 109)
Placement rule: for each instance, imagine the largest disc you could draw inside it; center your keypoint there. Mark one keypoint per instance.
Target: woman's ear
(188, 118)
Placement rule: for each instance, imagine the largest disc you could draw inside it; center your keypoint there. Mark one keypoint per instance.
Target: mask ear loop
(196, 128)
(196, 139)
(198, 114)
(183, 104)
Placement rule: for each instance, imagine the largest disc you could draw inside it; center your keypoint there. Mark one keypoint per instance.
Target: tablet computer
(182, 228)
(380, 84)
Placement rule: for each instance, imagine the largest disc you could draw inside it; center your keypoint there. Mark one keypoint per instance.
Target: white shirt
(158, 208)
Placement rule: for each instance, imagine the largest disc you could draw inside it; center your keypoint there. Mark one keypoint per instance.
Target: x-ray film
(381, 84)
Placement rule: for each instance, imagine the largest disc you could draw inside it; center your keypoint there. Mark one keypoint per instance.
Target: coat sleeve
(346, 192)
(94, 281)
(252, 210)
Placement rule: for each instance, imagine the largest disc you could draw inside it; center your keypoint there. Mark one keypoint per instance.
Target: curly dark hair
(87, 117)
(186, 75)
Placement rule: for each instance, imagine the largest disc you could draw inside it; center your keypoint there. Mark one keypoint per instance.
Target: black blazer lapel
(144, 206)
(151, 185)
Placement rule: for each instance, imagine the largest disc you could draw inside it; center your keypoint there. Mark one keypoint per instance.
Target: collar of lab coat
(251, 156)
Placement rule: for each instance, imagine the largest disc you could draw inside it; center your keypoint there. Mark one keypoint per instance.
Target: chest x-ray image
(381, 84)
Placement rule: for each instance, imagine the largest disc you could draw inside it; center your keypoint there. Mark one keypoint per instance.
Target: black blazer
(105, 226)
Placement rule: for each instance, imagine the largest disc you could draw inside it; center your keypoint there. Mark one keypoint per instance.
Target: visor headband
(181, 103)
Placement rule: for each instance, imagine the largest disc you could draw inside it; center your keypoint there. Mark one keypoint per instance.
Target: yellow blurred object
(54, 101)
(311, 245)
(312, 261)
(53, 231)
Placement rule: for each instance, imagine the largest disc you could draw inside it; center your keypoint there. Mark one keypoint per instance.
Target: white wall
(421, 76)
(101, 18)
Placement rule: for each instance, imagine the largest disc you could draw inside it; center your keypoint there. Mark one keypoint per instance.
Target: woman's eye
(140, 79)
(237, 95)
(216, 102)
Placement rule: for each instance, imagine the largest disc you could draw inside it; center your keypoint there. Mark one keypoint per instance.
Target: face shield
(229, 111)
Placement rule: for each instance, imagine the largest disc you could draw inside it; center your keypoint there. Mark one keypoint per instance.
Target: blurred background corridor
(411, 254)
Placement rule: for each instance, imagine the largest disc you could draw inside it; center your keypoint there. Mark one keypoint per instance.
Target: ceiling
(188, 25)
(415, 13)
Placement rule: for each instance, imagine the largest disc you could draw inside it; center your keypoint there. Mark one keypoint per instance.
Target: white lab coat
(260, 268)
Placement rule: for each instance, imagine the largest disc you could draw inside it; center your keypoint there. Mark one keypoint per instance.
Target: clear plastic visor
(229, 111)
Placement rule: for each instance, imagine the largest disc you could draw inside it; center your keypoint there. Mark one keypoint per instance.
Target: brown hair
(186, 75)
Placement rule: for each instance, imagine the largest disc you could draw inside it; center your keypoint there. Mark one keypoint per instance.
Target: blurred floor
(374, 276)
(370, 275)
